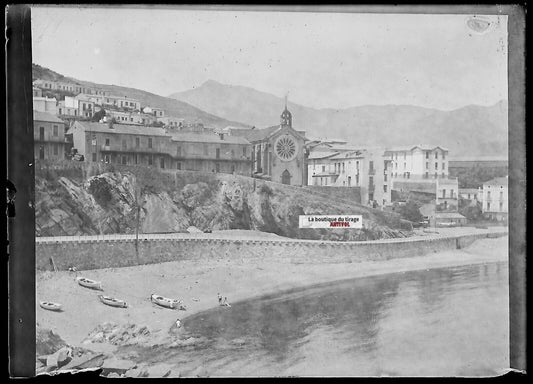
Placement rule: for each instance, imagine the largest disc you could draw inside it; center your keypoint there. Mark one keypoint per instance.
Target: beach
(198, 283)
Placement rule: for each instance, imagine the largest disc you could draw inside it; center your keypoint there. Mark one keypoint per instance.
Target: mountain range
(473, 130)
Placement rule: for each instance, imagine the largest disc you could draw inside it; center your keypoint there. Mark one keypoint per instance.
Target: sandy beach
(198, 284)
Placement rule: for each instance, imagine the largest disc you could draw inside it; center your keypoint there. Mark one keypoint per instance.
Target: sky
(322, 60)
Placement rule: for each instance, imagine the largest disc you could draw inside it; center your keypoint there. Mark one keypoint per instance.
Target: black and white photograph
(270, 192)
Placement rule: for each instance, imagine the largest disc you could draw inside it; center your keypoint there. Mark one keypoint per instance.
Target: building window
(342, 167)
(94, 157)
(178, 165)
(436, 176)
(427, 175)
(488, 207)
(232, 153)
(443, 155)
(501, 195)
(356, 179)
(244, 151)
(232, 168)
(443, 193)
(124, 144)
(384, 188)
(436, 165)
(404, 165)
(501, 206)
(488, 195)
(323, 168)
(107, 142)
(371, 166)
(427, 165)
(206, 152)
(427, 155)
(357, 165)
(107, 160)
(136, 158)
(384, 177)
(443, 166)
(150, 159)
(349, 181)
(56, 151)
(436, 155)
(162, 162)
(56, 130)
(217, 167)
(149, 142)
(178, 151)
(137, 142)
(218, 153)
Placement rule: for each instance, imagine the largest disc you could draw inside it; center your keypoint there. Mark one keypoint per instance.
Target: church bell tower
(286, 116)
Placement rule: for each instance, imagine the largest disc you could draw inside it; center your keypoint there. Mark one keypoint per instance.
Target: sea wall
(96, 254)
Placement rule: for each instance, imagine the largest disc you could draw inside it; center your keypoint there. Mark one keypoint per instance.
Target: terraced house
(48, 136)
(151, 146)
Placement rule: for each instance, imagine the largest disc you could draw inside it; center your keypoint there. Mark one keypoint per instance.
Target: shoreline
(237, 280)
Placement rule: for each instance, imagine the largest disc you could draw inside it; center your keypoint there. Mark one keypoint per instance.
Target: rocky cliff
(113, 200)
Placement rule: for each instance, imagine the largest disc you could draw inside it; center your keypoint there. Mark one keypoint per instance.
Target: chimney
(221, 136)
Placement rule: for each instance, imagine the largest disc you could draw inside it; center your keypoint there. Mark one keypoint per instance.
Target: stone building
(278, 152)
(153, 146)
(48, 136)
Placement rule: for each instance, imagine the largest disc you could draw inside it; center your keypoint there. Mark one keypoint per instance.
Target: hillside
(172, 107)
(72, 202)
(472, 130)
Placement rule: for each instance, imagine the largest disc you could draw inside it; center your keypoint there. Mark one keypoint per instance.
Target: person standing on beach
(219, 299)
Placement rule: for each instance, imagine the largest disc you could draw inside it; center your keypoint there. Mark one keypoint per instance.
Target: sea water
(440, 322)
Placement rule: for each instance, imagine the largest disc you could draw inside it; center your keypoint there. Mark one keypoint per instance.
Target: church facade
(279, 153)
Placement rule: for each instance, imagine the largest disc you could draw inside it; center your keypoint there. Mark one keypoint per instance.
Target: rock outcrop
(122, 201)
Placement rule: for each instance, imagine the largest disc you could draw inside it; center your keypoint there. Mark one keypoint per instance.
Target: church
(279, 153)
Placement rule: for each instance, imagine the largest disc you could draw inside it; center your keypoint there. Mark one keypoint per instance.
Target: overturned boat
(88, 283)
(50, 306)
(166, 302)
(111, 301)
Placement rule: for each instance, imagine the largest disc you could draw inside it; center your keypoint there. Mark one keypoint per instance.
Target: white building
(418, 162)
(157, 112)
(367, 169)
(45, 104)
(495, 198)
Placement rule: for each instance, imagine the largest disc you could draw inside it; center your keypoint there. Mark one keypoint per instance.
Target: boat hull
(88, 283)
(112, 302)
(50, 306)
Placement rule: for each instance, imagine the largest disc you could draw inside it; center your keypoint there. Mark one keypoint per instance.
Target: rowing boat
(88, 283)
(166, 302)
(112, 301)
(50, 306)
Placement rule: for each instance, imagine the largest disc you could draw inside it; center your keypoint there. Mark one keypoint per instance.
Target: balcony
(372, 171)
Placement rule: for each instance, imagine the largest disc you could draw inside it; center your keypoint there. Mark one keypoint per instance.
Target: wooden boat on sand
(50, 306)
(166, 302)
(111, 301)
(88, 283)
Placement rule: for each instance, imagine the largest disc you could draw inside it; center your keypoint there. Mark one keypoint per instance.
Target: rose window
(286, 148)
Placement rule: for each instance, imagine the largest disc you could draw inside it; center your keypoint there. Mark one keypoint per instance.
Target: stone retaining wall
(96, 254)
